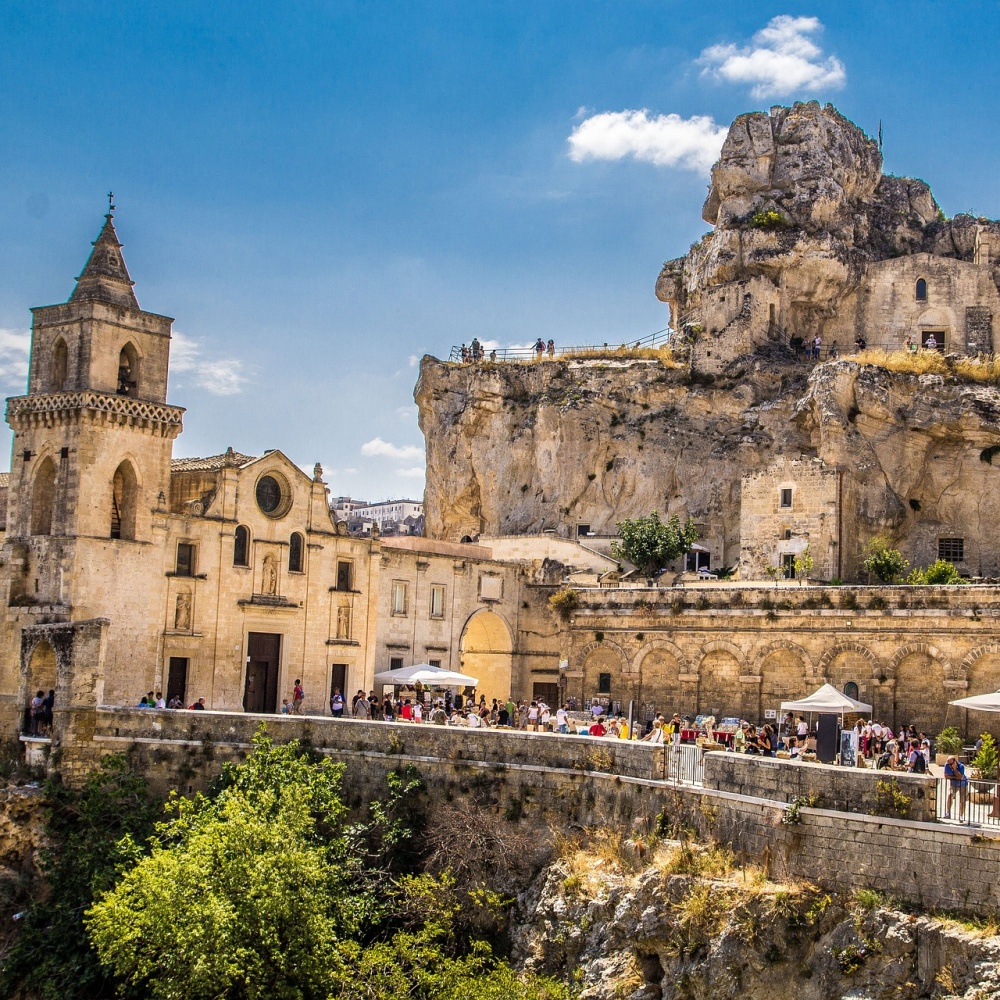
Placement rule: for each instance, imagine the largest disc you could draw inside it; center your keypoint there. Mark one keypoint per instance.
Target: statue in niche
(182, 612)
(343, 622)
(270, 581)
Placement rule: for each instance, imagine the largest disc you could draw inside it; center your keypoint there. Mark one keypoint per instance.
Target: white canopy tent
(980, 702)
(827, 701)
(427, 675)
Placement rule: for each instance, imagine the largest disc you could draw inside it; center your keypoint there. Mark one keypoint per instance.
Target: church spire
(105, 277)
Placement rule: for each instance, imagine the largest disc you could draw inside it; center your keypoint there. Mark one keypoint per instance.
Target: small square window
(185, 559)
(951, 549)
(786, 497)
(395, 663)
(434, 663)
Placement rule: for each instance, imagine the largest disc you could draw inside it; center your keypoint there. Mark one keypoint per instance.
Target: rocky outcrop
(670, 932)
(798, 196)
(523, 449)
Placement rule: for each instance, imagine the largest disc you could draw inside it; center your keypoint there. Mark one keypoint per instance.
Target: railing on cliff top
(652, 342)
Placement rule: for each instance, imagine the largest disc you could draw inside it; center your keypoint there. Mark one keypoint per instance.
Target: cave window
(604, 683)
(786, 497)
(241, 546)
(951, 549)
(787, 536)
(43, 498)
(921, 290)
(295, 548)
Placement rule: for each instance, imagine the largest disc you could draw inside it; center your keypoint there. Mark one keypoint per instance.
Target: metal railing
(978, 804)
(683, 764)
(653, 341)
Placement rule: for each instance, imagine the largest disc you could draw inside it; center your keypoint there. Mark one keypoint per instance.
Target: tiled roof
(233, 458)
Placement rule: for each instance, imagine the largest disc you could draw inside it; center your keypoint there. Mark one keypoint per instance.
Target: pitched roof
(231, 459)
(105, 277)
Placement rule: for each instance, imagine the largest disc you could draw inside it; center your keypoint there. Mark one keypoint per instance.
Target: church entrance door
(263, 660)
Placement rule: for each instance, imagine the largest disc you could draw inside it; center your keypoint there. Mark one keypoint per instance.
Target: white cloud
(387, 450)
(413, 361)
(406, 413)
(219, 376)
(15, 349)
(417, 472)
(666, 140)
(781, 59)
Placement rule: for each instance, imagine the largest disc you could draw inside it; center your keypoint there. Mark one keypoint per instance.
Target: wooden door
(263, 661)
(177, 679)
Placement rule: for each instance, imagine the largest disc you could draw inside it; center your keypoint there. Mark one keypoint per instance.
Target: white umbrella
(426, 675)
(827, 701)
(980, 702)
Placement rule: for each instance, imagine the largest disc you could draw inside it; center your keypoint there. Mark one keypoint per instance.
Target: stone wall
(551, 783)
(844, 789)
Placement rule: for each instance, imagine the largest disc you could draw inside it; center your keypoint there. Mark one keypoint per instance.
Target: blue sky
(321, 193)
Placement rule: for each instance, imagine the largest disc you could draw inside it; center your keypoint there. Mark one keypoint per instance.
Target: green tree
(649, 543)
(95, 833)
(803, 564)
(265, 890)
(884, 563)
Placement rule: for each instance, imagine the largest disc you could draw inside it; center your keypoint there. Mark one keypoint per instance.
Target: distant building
(344, 507)
(391, 517)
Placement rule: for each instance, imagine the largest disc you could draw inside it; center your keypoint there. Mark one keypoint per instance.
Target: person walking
(298, 696)
(337, 704)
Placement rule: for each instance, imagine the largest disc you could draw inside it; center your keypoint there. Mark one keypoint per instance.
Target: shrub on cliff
(883, 562)
(650, 544)
(938, 573)
(564, 602)
(267, 891)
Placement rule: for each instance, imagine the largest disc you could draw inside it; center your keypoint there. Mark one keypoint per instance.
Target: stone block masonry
(554, 783)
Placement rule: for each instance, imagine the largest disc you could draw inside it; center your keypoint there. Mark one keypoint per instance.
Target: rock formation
(810, 239)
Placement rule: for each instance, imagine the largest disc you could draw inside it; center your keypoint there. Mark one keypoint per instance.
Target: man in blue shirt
(958, 784)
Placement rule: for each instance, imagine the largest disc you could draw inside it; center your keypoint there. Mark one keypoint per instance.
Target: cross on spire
(111, 203)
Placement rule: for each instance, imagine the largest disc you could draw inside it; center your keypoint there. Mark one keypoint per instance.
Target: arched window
(851, 690)
(60, 356)
(295, 553)
(124, 493)
(43, 495)
(241, 547)
(921, 290)
(128, 371)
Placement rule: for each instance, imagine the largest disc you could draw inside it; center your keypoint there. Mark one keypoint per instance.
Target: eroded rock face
(521, 449)
(660, 936)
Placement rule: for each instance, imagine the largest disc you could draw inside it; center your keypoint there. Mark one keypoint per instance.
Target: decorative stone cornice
(49, 409)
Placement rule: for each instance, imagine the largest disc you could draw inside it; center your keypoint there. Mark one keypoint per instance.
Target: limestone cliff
(688, 926)
(521, 449)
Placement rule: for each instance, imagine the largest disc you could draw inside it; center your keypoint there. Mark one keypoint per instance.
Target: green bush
(884, 563)
(949, 740)
(768, 218)
(986, 760)
(938, 573)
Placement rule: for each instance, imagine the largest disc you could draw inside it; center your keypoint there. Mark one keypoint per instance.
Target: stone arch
(853, 661)
(918, 692)
(241, 546)
(657, 668)
(43, 498)
(124, 501)
(784, 668)
(487, 653)
(42, 667)
(720, 667)
(129, 369)
(608, 658)
(58, 366)
(920, 647)
(974, 654)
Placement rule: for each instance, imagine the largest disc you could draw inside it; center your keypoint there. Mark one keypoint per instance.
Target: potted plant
(986, 763)
(946, 743)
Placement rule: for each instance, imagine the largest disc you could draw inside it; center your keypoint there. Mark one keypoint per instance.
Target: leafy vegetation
(769, 218)
(265, 890)
(564, 602)
(884, 563)
(949, 740)
(938, 573)
(986, 761)
(95, 832)
(650, 544)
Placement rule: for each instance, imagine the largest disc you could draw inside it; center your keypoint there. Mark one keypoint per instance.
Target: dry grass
(985, 368)
(661, 354)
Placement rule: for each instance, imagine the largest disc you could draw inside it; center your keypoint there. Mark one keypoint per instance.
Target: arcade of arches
(743, 675)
